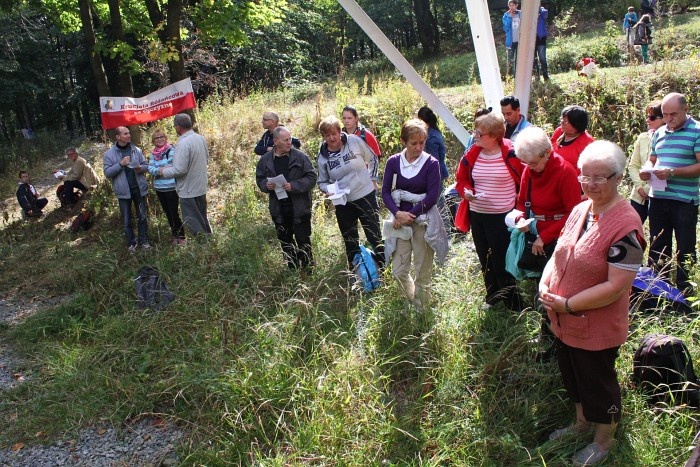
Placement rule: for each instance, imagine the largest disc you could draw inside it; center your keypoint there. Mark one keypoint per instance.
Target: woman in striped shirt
(488, 178)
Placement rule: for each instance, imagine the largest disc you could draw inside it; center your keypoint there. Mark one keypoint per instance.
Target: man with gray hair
(190, 172)
(675, 153)
(291, 211)
(270, 121)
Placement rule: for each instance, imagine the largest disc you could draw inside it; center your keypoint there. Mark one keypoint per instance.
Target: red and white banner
(165, 102)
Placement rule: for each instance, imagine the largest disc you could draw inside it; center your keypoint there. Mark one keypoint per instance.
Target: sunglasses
(653, 117)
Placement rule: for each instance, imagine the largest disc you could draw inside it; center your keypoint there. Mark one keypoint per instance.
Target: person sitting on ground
(270, 121)
(28, 197)
(291, 214)
(352, 126)
(81, 176)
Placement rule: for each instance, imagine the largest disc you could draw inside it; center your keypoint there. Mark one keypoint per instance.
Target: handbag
(528, 260)
(462, 220)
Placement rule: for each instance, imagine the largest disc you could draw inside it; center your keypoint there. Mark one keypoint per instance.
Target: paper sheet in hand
(339, 196)
(654, 182)
(59, 174)
(279, 182)
(388, 231)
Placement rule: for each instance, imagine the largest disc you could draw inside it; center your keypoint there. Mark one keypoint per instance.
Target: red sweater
(464, 177)
(555, 190)
(572, 151)
(581, 263)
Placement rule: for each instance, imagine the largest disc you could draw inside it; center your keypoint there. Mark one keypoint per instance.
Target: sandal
(590, 455)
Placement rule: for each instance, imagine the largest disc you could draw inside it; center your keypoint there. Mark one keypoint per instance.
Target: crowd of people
(553, 198)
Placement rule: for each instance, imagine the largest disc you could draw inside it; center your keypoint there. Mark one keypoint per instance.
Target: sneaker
(131, 248)
(146, 246)
(590, 455)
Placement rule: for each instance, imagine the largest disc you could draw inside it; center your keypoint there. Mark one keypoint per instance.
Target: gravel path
(147, 442)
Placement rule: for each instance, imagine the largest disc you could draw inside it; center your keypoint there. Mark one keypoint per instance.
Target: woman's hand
(404, 218)
(538, 247)
(642, 192)
(552, 302)
(469, 195)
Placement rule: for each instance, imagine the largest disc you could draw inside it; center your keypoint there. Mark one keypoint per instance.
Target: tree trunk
(427, 28)
(169, 35)
(90, 40)
(125, 83)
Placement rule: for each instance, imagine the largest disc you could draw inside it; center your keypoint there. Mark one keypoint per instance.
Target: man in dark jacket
(270, 121)
(28, 197)
(289, 199)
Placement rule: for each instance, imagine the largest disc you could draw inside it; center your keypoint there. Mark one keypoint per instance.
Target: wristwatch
(672, 171)
(567, 307)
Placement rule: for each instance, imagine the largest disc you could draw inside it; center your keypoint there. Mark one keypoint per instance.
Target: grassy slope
(266, 366)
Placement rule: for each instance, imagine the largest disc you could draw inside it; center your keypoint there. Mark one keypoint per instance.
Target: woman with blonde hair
(410, 191)
(162, 156)
(488, 178)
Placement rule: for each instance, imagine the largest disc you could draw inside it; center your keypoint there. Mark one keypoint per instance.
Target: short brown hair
(654, 108)
(491, 124)
(413, 127)
(329, 123)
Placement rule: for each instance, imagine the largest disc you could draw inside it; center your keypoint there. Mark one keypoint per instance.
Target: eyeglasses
(534, 162)
(583, 179)
(478, 134)
(653, 117)
(160, 137)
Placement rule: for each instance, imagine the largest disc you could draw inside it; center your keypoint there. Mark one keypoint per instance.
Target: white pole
(526, 52)
(393, 54)
(485, 48)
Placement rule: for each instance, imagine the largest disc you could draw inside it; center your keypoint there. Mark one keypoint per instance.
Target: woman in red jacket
(549, 184)
(571, 137)
(488, 178)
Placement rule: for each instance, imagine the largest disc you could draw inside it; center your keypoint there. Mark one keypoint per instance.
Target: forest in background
(59, 56)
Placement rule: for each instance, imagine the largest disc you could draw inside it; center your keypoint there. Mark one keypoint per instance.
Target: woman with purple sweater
(410, 191)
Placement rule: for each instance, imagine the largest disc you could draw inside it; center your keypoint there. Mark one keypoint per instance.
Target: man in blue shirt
(541, 43)
(675, 148)
(511, 26)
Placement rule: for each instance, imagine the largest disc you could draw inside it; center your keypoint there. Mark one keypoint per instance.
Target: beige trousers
(416, 288)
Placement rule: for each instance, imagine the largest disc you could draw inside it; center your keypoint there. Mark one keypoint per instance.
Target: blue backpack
(366, 270)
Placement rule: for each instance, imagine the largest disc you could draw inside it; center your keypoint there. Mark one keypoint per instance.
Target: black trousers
(170, 203)
(365, 210)
(295, 238)
(491, 240)
(69, 186)
(666, 219)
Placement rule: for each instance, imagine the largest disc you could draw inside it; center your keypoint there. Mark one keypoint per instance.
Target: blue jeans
(141, 216)
(541, 53)
(666, 218)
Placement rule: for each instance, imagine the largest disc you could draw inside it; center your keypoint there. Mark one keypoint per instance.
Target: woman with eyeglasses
(585, 290)
(162, 156)
(488, 178)
(640, 155)
(548, 186)
(571, 137)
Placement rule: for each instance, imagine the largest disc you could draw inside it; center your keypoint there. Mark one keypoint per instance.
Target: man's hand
(125, 161)
(270, 186)
(644, 176)
(287, 186)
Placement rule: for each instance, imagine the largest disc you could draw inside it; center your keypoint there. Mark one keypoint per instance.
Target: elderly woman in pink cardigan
(585, 290)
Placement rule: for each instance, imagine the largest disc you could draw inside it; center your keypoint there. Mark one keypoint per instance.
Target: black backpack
(151, 290)
(663, 370)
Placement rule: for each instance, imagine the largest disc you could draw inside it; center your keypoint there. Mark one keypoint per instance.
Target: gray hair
(71, 150)
(605, 152)
(532, 142)
(278, 131)
(183, 121)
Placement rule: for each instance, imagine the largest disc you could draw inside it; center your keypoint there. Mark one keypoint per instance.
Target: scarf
(159, 153)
